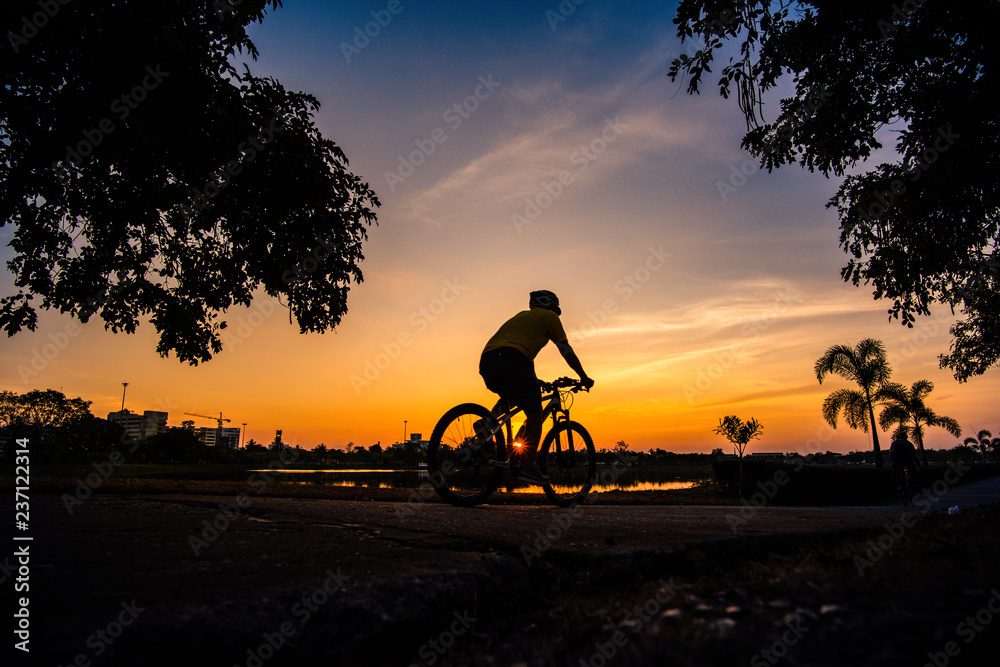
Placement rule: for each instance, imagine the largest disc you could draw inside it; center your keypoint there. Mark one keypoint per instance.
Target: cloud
(551, 127)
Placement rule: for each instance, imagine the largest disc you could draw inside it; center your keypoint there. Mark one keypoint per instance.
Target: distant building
(215, 437)
(140, 427)
(416, 441)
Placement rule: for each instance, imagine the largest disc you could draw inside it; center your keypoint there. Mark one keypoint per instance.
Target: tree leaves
(924, 229)
(739, 432)
(865, 364)
(156, 180)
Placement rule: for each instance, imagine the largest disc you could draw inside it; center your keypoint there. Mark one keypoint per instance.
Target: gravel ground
(117, 584)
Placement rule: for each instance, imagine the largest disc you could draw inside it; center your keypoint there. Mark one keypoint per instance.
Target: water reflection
(633, 480)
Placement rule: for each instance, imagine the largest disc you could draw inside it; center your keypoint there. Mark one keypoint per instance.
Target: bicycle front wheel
(466, 455)
(567, 456)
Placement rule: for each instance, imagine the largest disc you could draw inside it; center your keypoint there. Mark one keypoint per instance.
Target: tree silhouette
(147, 175)
(739, 433)
(254, 447)
(43, 409)
(60, 428)
(907, 409)
(922, 229)
(984, 441)
(867, 365)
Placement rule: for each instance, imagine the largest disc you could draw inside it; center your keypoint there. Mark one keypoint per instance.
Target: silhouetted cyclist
(903, 455)
(508, 368)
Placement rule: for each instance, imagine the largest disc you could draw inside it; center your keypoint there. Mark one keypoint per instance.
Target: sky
(522, 146)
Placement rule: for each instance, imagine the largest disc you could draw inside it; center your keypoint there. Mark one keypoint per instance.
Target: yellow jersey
(528, 332)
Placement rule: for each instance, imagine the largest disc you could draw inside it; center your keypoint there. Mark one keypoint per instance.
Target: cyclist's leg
(526, 395)
(532, 433)
(491, 368)
(897, 474)
(510, 374)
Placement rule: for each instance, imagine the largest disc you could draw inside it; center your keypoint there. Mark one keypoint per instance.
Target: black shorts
(510, 374)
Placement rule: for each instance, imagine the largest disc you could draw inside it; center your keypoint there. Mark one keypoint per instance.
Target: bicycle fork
(563, 457)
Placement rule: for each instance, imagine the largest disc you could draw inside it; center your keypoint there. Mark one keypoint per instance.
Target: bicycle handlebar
(565, 383)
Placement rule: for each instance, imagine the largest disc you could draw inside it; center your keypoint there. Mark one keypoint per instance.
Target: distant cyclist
(508, 368)
(903, 456)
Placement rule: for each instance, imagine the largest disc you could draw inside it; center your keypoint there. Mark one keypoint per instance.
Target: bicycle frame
(553, 408)
(468, 442)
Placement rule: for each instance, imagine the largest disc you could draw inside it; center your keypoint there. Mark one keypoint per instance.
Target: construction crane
(218, 431)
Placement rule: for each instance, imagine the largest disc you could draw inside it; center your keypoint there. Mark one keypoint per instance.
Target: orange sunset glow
(693, 285)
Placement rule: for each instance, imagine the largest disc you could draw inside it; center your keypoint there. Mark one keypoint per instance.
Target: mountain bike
(470, 448)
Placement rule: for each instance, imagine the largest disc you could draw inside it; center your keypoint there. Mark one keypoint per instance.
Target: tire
(462, 472)
(567, 456)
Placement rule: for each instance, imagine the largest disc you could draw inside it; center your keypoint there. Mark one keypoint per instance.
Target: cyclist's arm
(566, 350)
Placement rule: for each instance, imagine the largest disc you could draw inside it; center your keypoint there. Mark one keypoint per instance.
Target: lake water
(659, 479)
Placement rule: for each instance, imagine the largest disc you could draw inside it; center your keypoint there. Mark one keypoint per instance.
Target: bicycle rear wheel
(466, 467)
(567, 456)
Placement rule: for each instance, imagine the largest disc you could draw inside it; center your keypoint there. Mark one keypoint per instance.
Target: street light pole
(244, 435)
(404, 431)
(124, 386)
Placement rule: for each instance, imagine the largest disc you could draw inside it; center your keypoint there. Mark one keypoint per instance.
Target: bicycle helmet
(544, 299)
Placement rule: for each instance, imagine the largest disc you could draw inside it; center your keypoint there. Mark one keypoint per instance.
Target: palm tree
(867, 365)
(906, 408)
(982, 442)
(739, 433)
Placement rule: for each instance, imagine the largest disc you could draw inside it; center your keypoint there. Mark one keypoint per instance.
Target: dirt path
(158, 579)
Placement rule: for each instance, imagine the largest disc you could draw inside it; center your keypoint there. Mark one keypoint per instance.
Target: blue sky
(693, 285)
